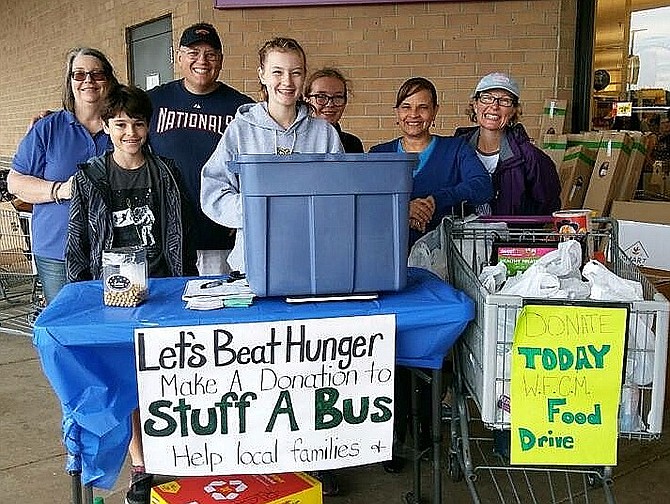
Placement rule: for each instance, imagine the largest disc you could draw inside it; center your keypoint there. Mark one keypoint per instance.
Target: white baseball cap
(497, 80)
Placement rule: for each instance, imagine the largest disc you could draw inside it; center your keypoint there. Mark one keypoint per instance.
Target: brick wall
(377, 46)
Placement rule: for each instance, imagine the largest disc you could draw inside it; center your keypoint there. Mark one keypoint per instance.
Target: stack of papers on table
(213, 293)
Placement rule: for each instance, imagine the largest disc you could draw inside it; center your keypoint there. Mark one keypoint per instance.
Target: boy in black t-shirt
(129, 196)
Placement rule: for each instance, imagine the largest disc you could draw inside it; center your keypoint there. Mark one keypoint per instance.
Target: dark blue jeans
(52, 276)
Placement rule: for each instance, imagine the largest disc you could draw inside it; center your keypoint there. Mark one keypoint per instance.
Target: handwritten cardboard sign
(566, 383)
(266, 397)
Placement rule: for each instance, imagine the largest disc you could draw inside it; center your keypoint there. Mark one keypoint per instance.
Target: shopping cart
(482, 368)
(19, 288)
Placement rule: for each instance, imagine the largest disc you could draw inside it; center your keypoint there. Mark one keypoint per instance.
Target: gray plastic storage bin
(325, 223)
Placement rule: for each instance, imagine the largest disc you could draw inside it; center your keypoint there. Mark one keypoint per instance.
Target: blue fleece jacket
(452, 174)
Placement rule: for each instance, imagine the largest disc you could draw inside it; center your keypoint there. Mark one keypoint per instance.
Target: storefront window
(650, 66)
(632, 81)
(632, 65)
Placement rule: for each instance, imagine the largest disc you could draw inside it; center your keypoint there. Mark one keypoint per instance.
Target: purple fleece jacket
(525, 181)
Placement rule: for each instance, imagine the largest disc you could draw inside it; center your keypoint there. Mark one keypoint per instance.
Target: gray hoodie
(253, 131)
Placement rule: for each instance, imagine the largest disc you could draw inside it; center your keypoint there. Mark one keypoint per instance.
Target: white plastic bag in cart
(477, 245)
(564, 261)
(492, 277)
(430, 252)
(606, 286)
(629, 416)
(534, 282)
(554, 275)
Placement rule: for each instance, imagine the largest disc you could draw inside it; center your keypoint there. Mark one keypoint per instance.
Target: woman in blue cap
(525, 179)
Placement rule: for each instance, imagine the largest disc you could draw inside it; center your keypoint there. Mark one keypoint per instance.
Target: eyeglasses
(324, 99)
(503, 101)
(193, 55)
(96, 75)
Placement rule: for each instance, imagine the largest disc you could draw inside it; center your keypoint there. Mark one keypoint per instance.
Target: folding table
(87, 352)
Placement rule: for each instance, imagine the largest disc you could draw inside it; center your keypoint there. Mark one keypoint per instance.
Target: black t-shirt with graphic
(136, 213)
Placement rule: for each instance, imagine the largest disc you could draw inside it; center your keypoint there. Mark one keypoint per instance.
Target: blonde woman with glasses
(48, 155)
(525, 179)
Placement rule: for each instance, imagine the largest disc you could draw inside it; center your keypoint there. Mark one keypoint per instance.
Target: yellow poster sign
(566, 382)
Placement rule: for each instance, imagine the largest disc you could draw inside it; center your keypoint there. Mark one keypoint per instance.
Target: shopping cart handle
(517, 219)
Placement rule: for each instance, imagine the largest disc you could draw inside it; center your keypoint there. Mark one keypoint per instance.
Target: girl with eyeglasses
(47, 159)
(280, 124)
(525, 179)
(327, 92)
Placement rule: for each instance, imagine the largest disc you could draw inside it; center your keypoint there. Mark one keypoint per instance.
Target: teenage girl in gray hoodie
(280, 124)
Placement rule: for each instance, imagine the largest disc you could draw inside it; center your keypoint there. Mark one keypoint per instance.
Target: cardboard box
(657, 212)
(608, 171)
(644, 231)
(661, 281)
(631, 176)
(554, 146)
(575, 174)
(589, 139)
(293, 488)
(553, 117)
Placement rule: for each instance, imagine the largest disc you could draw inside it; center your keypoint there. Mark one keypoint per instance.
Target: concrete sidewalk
(32, 458)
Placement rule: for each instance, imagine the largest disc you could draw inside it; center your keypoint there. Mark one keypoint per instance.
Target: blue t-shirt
(51, 150)
(187, 128)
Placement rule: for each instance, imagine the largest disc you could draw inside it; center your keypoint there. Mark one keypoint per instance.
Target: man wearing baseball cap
(200, 32)
(525, 180)
(190, 116)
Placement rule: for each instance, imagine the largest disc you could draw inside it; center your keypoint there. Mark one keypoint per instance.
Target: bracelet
(57, 186)
(53, 191)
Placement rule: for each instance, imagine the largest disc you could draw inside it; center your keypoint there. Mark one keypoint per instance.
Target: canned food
(572, 221)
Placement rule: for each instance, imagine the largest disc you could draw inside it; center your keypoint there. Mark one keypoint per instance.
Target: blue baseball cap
(497, 80)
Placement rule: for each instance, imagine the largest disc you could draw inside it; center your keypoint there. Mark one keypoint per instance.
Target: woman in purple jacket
(525, 180)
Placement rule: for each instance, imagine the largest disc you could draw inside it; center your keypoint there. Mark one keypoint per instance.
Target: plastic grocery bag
(492, 277)
(477, 246)
(534, 282)
(606, 286)
(564, 261)
(430, 252)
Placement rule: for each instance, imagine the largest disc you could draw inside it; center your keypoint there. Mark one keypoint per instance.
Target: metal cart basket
(18, 275)
(482, 366)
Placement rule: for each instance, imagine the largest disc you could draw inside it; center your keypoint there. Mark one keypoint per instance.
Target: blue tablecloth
(87, 350)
